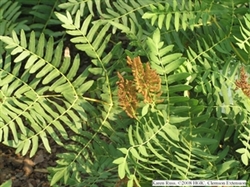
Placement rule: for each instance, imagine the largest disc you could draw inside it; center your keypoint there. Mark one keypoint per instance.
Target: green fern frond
(217, 83)
(244, 150)
(199, 129)
(8, 19)
(84, 35)
(179, 15)
(40, 17)
(245, 44)
(74, 6)
(86, 39)
(38, 93)
(7, 184)
(8, 16)
(164, 64)
(83, 155)
(181, 112)
(179, 156)
(124, 15)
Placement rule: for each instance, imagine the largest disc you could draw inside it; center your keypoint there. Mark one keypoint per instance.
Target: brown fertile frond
(138, 73)
(127, 96)
(136, 66)
(153, 84)
(242, 82)
(147, 81)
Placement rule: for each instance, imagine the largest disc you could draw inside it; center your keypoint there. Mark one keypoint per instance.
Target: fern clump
(72, 72)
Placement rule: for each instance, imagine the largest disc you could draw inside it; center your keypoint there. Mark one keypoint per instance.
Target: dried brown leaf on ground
(28, 166)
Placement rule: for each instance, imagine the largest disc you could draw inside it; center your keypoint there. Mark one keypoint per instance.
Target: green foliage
(7, 184)
(58, 83)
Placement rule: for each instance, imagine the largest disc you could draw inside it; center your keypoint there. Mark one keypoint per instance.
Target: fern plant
(182, 115)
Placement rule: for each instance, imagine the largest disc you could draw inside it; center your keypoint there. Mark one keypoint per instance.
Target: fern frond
(162, 63)
(179, 14)
(84, 153)
(74, 6)
(35, 109)
(84, 36)
(125, 15)
(245, 33)
(8, 16)
(179, 156)
(86, 39)
(245, 139)
(40, 17)
(8, 19)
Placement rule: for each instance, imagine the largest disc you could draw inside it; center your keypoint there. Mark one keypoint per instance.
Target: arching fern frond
(38, 94)
(166, 123)
(101, 123)
(198, 129)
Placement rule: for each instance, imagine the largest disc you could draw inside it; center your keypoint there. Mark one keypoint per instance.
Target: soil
(25, 171)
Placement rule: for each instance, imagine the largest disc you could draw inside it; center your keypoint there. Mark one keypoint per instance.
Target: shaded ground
(25, 171)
